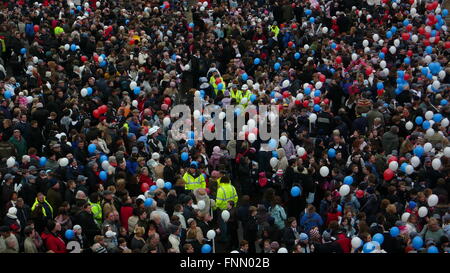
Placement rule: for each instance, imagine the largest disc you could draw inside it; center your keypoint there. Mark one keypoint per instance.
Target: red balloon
(402, 159)
(409, 53)
(369, 70)
(96, 113)
(280, 107)
(36, 28)
(339, 59)
(380, 92)
(290, 44)
(305, 103)
(388, 174)
(384, 50)
(246, 134)
(437, 39)
(286, 94)
(359, 194)
(322, 78)
(305, 156)
(316, 100)
(84, 58)
(96, 58)
(392, 158)
(144, 187)
(385, 1)
(427, 35)
(426, 42)
(421, 30)
(294, 26)
(298, 102)
(407, 77)
(411, 2)
(447, 44)
(131, 42)
(409, 27)
(405, 36)
(167, 101)
(218, 80)
(103, 109)
(326, 101)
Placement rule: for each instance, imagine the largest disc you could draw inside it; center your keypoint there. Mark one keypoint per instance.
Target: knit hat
(12, 211)
(314, 234)
(279, 172)
(76, 227)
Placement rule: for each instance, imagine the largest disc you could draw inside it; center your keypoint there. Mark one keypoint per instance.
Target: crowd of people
(89, 162)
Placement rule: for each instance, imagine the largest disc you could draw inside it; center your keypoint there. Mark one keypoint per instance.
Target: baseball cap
(81, 178)
(9, 176)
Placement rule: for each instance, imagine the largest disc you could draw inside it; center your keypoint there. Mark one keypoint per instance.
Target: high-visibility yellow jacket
(212, 82)
(96, 209)
(275, 29)
(236, 95)
(193, 183)
(44, 212)
(225, 193)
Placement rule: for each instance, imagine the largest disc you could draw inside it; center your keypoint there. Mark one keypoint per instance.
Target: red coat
(56, 244)
(125, 213)
(344, 242)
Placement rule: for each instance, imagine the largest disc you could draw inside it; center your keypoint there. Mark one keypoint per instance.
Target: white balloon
(430, 132)
(251, 123)
(205, 4)
(29, 99)
(396, 42)
(66, 47)
(442, 74)
(356, 242)
(282, 250)
(86, 5)
(428, 59)
(444, 28)
(409, 169)
(285, 83)
(415, 38)
(251, 137)
(318, 85)
(413, 11)
(244, 128)
(386, 72)
(155, 156)
(160, 183)
(344, 190)
(299, 96)
(222, 115)
(306, 47)
(166, 121)
(393, 165)
(197, 93)
(312, 118)
(225, 215)
(436, 84)
(392, 49)
(423, 211)
(98, 4)
(445, 122)
(105, 165)
(436, 163)
(100, 59)
(432, 200)
(324, 171)
(415, 161)
(211, 234)
(405, 217)
(202, 8)
(63, 162)
(383, 64)
(354, 56)
(324, 30)
(201, 204)
(409, 125)
(301, 151)
(429, 115)
(365, 43)
(428, 29)
(375, 37)
(447, 151)
(394, 5)
(244, 101)
(283, 140)
(273, 162)
(35, 59)
(10, 162)
(197, 114)
(133, 84)
(366, 49)
(427, 147)
(305, 85)
(134, 103)
(381, 42)
(84, 92)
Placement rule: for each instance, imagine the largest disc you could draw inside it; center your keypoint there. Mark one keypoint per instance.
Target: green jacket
(21, 146)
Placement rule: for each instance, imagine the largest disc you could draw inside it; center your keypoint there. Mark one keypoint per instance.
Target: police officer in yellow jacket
(41, 202)
(246, 93)
(193, 178)
(217, 83)
(235, 93)
(225, 193)
(96, 208)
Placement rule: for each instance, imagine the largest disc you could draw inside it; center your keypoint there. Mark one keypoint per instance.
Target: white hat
(142, 197)
(244, 87)
(110, 234)
(12, 211)
(153, 130)
(76, 227)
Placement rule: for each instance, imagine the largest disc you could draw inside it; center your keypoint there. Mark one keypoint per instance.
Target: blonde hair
(139, 231)
(391, 208)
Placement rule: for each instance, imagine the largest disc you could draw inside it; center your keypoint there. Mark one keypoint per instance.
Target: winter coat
(54, 242)
(309, 221)
(390, 142)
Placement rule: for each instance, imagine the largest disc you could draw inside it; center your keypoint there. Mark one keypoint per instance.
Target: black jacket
(87, 223)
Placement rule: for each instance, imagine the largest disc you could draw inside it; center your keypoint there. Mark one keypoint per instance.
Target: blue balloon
(389, 34)
(244, 76)
(153, 188)
(348, 180)
(148, 202)
(103, 158)
(103, 56)
(102, 64)
(394, 29)
(191, 142)
(444, 102)
(368, 247)
(429, 49)
(380, 85)
(42, 161)
(202, 93)
(103, 175)
(272, 94)
(332, 70)
(73, 47)
(378, 238)
(220, 86)
(252, 97)
(70, 234)
(295, 191)
(137, 90)
(191, 25)
(437, 117)
(191, 134)
(405, 22)
(206, 248)
(317, 93)
(412, 204)
(72, 12)
(407, 60)
(339, 208)
(127, 21)
(312, 20)
(317, 108)
(308, 12)
(419, 120)
(432, 249)
(444, 12)
(92, 148)
(23, 51)
(184, 156)
(433, 34)
(403, 167)
(418, 151)
(256, 61)
(79, 8)
(307, 91)
(7, 94)
(273, 143)
(394, 231)
(417, 242)
(168, 185)
(277, 66)
(89, 90)
(275, 154)
(174, 56)
(297, 55)
(400, 75)
(424, 71)
(426, 125)
(331, 153)
(333, 45)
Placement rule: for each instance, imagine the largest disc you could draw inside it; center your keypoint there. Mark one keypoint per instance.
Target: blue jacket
(132, 167)
(309, 221)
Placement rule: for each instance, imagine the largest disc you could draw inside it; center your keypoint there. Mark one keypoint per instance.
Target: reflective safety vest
(194, 183)
(275, 29)
(44, 212)
(225, 193)
(247, 94)
(236, 95)
(96, 209)
(212, 82)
